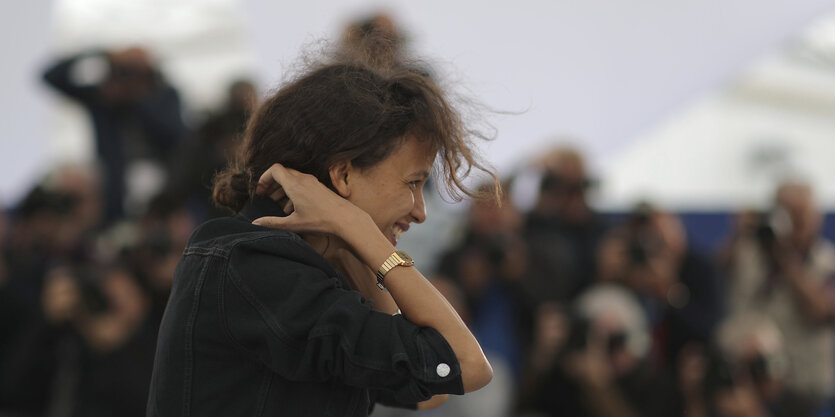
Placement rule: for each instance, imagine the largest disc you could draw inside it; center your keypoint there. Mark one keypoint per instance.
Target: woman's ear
(340, 174)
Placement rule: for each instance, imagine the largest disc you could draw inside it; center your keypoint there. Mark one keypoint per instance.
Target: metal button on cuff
(442, 370)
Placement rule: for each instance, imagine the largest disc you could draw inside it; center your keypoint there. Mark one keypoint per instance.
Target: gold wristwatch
(398, 258)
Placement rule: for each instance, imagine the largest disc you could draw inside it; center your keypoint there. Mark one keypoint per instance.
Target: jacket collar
(260, 206)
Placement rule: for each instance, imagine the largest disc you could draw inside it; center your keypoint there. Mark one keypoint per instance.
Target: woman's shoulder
(241, 241)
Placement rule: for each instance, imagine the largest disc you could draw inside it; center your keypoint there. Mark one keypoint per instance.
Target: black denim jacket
(258, 323)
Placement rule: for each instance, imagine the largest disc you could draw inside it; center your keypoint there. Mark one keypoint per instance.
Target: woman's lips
(397, 231)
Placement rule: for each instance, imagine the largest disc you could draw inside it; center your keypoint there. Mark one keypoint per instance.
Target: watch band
(398, 258)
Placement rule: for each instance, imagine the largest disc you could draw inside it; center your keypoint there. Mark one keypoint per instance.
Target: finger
(273, 222)
(271, 177)
(267, 189)
(262, 189)
(288, 207)
(278, 194)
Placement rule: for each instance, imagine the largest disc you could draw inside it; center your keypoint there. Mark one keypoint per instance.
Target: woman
(294, 315)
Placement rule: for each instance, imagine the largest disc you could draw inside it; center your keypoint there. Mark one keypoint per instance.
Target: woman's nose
(419, 208)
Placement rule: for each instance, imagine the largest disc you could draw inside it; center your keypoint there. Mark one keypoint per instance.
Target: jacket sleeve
(386, 398)
(301, 324)
(58, 75)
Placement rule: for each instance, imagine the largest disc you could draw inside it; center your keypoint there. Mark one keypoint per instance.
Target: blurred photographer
(162, 234)
(678, 287)
(216, 140)
(87, 351)
(780, 267)
(135, 114)
(44, 227)
(592, 360)
(745, 374)
(563, 230)
(104, 304)
(480, 276)
(53, 223)
(487, 266)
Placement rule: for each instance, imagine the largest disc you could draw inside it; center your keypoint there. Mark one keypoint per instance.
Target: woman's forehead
(415, 154)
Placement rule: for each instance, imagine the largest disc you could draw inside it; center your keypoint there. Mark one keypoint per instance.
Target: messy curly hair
(357, 110)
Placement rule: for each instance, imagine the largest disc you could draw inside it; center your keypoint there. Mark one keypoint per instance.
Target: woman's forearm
(432, 403)
(362, 279)
(423, 305)
(420, 302)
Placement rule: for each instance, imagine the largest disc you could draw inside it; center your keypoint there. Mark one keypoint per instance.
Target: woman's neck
(334, 250)
(357, 274)
(325, 244)
(319, 242)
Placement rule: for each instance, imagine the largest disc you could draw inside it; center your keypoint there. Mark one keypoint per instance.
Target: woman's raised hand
(310, 205)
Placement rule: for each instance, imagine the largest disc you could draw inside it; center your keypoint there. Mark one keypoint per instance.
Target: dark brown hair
(349, 111)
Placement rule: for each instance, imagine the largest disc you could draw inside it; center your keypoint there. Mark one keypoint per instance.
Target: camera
(41, 200)
(640, 244)
(580, 328)
(723, 373)
(771, 227)
(93, 299)
(554, 183)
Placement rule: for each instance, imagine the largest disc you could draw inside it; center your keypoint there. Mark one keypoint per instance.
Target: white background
(603, 72)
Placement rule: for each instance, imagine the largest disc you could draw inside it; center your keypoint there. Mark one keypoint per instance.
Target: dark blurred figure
(381, 41)
(592, 360)
(29, 253)
(77, 339)
(44, 231)
(88, 351)
(106, 351)
(563, 231)
(40, 216)
(487, 267)
(745, 374)
(85, 182)
(163, 233)
(781, 268)
(481, 277)
(134, 112)
(53, 223)
(210, 148)
(376, 34)
(679, 288)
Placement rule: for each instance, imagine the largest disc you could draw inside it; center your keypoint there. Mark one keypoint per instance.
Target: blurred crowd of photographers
(87, 256)
(581, 314)
(618, 315)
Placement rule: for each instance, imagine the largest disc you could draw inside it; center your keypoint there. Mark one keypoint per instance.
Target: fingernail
(257, 221)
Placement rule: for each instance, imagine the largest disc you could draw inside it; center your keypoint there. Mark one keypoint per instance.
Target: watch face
(405, 257)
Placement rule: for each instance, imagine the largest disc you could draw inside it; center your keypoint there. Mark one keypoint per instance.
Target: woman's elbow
(476, 375)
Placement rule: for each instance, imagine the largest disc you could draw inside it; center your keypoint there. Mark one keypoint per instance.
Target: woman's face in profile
(391, 192)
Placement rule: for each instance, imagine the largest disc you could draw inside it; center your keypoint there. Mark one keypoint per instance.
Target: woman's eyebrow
(420, 174)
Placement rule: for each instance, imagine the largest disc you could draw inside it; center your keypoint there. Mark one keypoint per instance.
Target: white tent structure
(604, 71)
(730, 148)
